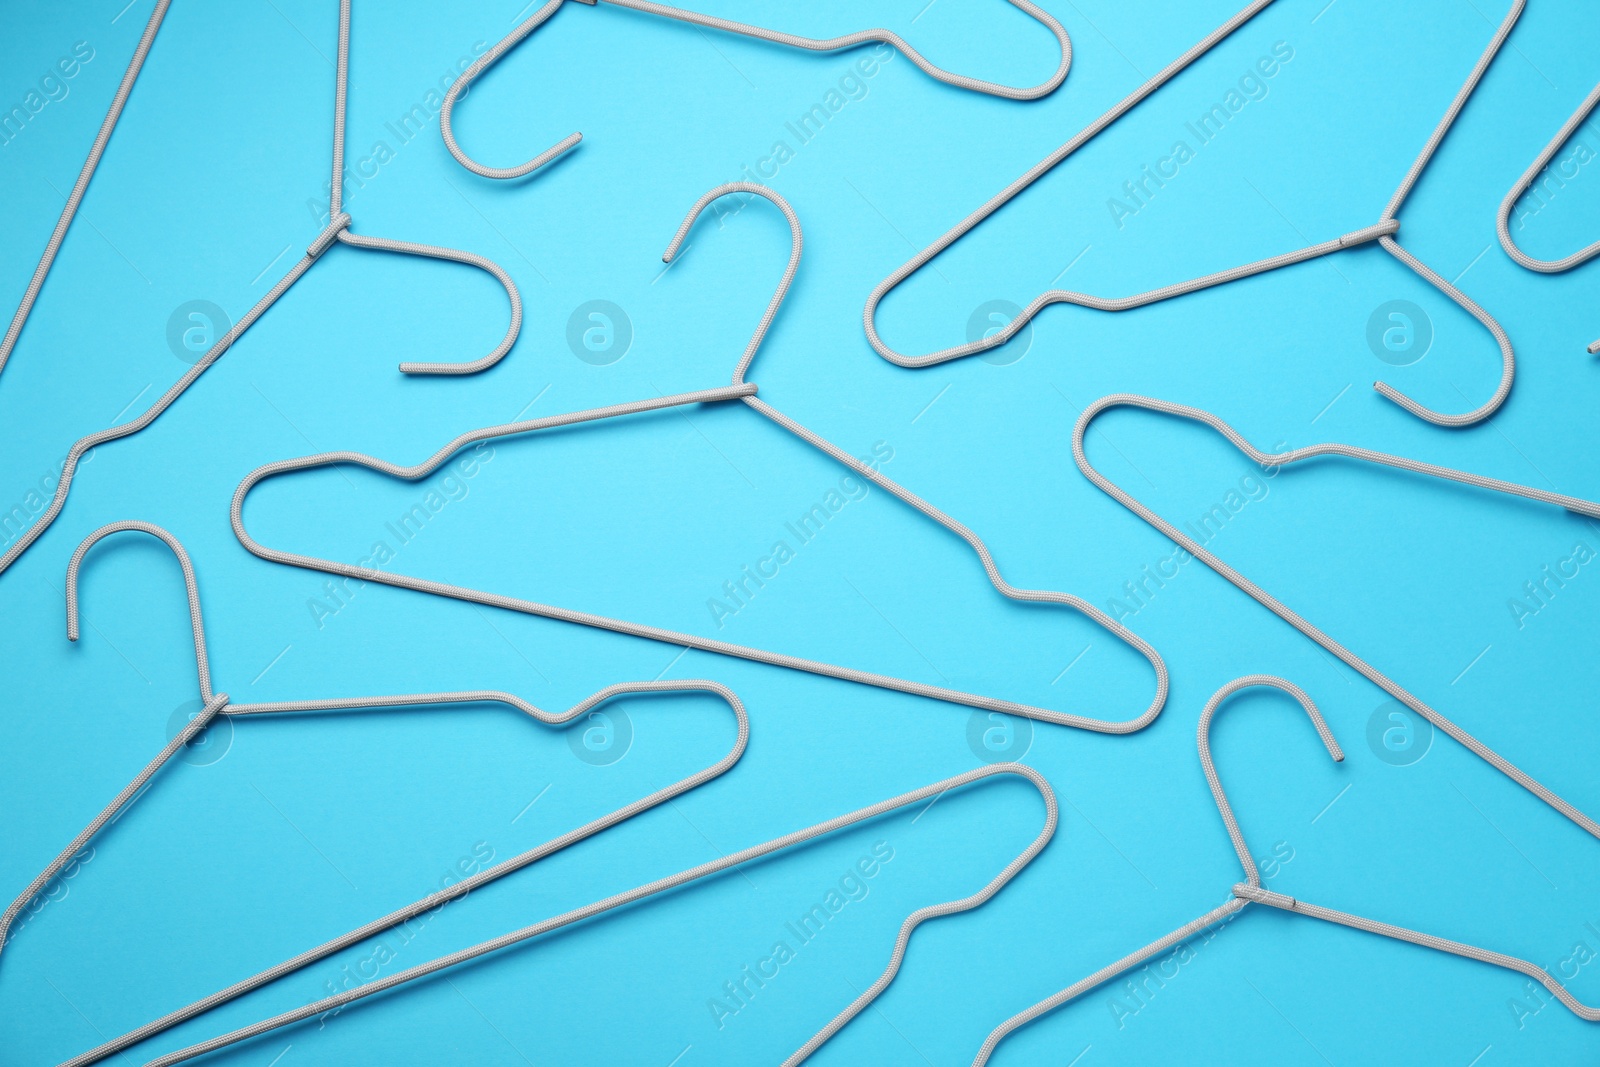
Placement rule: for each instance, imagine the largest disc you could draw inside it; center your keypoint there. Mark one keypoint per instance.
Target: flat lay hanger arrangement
(302, 715)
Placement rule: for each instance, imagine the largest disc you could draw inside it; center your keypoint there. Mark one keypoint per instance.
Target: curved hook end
(1508, 358)
(456, 255)
(549, 155)
(191, 588)
(470, 75)
(796, 244)
(1203, 737)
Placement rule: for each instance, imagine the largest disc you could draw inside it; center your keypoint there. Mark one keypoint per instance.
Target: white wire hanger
(215, 704)
(1383, 232)
(739, 389)
(1251, 891)
(695, 18)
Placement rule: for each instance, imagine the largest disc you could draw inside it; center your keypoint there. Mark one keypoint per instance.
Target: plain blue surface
(305, 828)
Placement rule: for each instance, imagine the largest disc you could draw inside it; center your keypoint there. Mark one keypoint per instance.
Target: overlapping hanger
(336, 232)
(1383, 231)
(1524, 183)
(695, 18)
(215, 704)
(696, 874)
(741, 390)
(1251, 891)
(1284, 459)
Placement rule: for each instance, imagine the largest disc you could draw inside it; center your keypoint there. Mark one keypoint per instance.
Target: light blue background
(309, 827)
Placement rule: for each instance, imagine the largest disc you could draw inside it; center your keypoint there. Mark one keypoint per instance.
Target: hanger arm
(81, 186)
(119, 803)
(1105, 974)
(466, 885)
(1128, 303)
(1438, 944)
(861, 37)
(687, 877)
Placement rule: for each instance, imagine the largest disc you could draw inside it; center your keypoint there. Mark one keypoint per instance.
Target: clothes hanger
(337, 231)
(789, 40)
(1382, 232)
(695, 874)
(1250, 891)
(741, 390)
(218, 704)
(1503, 220)
(1288, 615)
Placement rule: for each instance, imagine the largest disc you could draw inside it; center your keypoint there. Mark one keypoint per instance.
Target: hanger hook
(761, 33)
(471, 74)
(454, 255)
(796, 241)
(190, 585)
(1508, 356)
(1250, 681)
